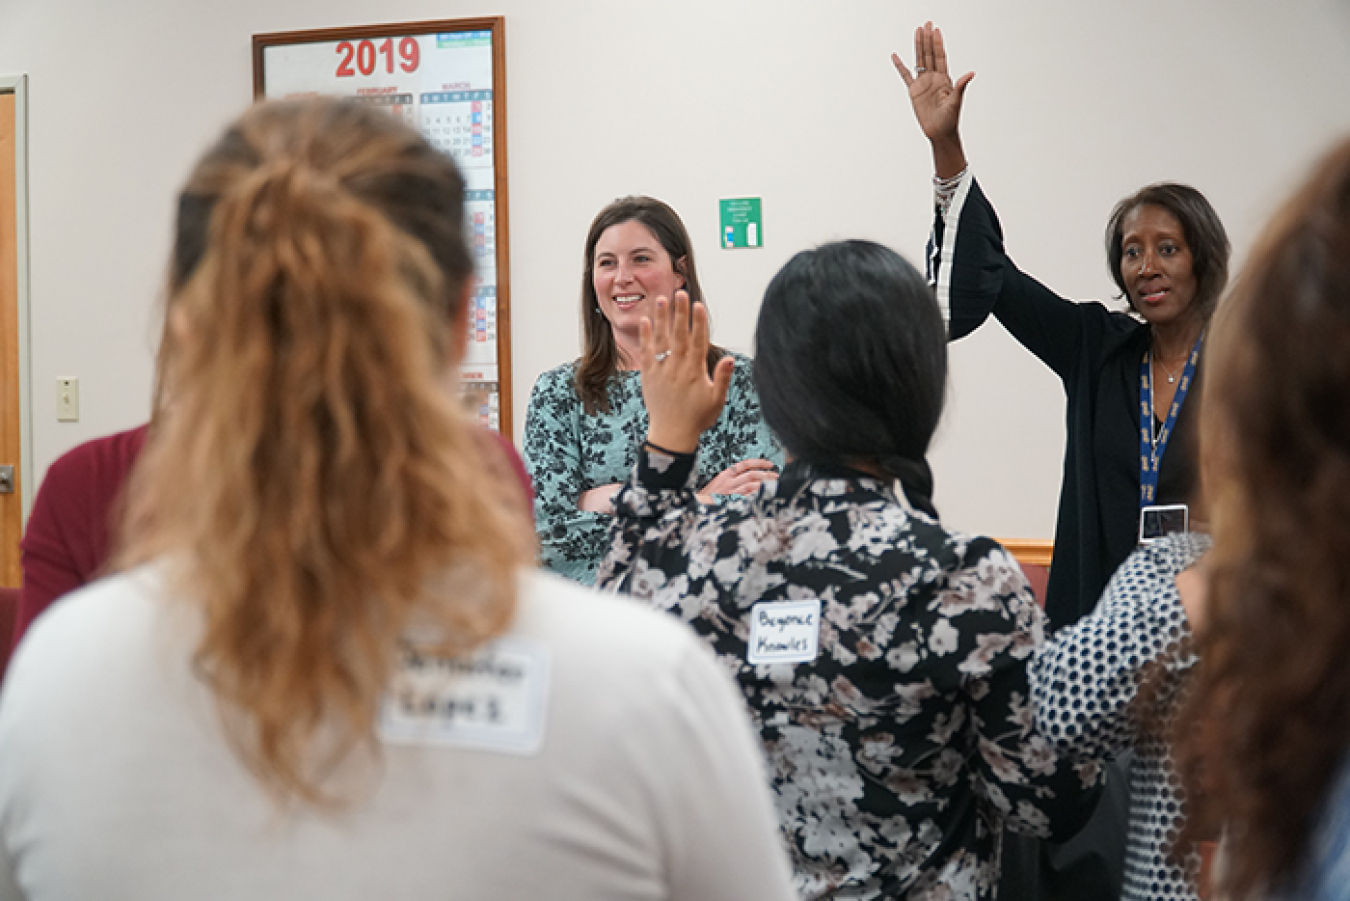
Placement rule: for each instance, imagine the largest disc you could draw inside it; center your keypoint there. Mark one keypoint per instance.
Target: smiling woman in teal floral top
(882, 654)
(586, 418)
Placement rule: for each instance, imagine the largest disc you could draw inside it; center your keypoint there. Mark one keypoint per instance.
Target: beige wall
(1075, 104)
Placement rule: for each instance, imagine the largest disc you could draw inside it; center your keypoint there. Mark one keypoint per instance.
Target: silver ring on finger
(661, 357)
(919, 70)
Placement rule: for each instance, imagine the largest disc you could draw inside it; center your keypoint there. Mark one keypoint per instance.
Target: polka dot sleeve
(1086, 677)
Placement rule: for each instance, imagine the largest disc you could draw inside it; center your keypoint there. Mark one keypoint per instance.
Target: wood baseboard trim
(1031, 551)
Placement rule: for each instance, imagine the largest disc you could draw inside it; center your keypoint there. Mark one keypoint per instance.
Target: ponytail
(851, 362)
(916, 480)
(313, 480)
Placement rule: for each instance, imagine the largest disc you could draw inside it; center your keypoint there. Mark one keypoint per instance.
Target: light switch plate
(68, 400)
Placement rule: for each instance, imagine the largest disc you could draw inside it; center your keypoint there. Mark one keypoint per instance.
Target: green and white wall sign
(742, 222)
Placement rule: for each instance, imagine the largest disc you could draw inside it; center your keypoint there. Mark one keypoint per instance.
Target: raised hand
(936, 100)
(682, 400)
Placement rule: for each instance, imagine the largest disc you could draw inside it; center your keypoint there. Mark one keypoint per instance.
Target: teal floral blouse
(568, 452)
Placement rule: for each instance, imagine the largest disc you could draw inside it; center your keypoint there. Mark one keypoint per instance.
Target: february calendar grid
(443, 82)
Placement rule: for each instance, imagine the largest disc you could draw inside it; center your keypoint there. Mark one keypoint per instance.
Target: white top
(117, 782)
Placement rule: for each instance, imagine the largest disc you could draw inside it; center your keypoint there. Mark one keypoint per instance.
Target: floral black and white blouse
(1085, 682)
(568, 452)
(899, 751)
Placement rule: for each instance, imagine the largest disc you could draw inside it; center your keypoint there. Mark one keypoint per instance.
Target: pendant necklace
(1171, 377)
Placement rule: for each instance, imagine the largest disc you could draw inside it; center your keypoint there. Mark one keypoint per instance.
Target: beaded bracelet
(944, 190)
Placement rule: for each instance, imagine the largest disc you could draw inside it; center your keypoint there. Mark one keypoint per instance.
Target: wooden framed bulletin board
(447, 79)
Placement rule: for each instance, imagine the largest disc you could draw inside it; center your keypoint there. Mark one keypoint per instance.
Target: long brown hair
(600, 356)
(1268, 720)
(312, 485)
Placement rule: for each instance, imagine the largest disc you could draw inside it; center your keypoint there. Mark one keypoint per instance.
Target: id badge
(1157, 522)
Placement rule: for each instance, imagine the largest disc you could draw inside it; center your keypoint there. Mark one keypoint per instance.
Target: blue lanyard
(1150, 451)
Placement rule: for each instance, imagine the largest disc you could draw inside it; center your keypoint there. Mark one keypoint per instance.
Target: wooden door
(11, 505)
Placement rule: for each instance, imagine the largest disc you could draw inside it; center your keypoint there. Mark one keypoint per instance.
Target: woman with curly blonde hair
(1264, 751)
(326, 669)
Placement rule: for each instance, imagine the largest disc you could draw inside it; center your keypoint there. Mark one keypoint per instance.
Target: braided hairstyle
(851, 362)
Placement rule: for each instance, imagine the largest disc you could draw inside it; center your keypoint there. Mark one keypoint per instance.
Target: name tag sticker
(784, 632)
(492, 700)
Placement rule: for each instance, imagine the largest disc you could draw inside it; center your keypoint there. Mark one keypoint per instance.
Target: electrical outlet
(68, 400)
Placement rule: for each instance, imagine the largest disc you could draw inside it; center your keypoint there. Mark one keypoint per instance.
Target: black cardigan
(1096, 354)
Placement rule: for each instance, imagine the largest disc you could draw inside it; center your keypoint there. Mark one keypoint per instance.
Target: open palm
(936, 100)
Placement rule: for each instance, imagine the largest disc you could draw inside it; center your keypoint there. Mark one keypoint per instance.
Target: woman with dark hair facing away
(325, 669)
(1130, 378)
(882, 654)
(1265, 753)
(586, 418)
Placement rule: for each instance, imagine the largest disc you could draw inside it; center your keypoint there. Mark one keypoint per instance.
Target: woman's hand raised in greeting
(682, 400)
(936, 100)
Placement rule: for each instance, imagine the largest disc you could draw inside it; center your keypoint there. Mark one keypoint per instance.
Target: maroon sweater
(69, 531)
(69, 534)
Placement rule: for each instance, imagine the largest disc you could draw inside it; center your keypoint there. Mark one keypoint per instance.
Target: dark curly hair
(1267, 724)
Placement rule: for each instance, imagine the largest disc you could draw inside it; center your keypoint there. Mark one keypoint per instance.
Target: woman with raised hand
(586, 418)
(883, 655)
(1265, 752)
(1130, 378)
(326, 669)
(1131, 382)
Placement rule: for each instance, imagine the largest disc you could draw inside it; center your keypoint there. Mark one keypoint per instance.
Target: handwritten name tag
(784, 632)
(492, 700)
